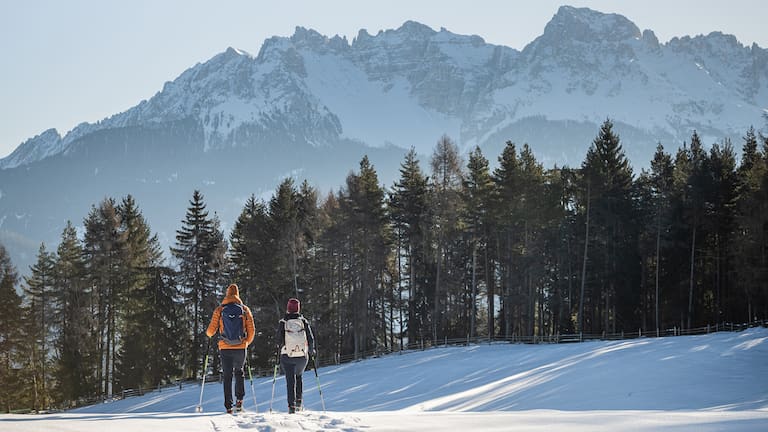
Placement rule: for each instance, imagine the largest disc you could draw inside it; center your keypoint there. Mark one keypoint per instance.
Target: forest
(451, 250)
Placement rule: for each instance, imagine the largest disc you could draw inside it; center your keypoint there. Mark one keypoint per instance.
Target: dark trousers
(232, 361)
(293, 368)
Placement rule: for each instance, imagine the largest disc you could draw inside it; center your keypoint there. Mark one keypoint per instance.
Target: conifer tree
(535, 258)
(11, 336)
(40, 311)
(368, 250)
(76, 343)
(447, 178)
(106, 256)
(615, 273)
(691, 189)
(287, 242)
(411, 215)
(248, 250)
(752, 235)
(563, 236)
(721, 226)
(196, 250)
(165, 330)
(660, 182)
(478, 196)
(251, 258)
(331, 285)
(139, 302)
(507, 214)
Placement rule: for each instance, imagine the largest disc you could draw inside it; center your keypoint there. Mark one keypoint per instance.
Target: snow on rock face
(408, 86)
(39, 147)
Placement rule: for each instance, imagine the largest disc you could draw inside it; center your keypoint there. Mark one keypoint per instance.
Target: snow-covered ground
(716, 382)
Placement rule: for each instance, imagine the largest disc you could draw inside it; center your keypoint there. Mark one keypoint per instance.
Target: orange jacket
(216, 325)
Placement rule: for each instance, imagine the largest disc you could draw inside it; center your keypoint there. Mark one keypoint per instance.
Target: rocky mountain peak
(585, 25)
(415, 29)
(35, 148)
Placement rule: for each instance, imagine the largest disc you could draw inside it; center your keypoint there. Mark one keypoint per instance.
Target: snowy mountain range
(310, 106)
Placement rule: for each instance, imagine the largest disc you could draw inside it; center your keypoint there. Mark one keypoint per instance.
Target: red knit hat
(294, 306)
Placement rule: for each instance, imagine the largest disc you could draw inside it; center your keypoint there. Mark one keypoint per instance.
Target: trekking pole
(274, 378)
(199, 407)
(317, 378)
(250, 376)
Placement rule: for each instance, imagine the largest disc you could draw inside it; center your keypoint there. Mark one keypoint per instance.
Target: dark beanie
(293, 306)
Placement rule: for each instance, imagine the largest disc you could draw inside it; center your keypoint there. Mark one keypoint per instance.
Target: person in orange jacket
(234, 322)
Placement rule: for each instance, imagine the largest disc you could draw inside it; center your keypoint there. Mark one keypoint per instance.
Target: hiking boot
(229, 410)
(239, 406)
(291, 410)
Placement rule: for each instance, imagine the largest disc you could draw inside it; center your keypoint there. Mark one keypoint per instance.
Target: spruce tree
(751, 299)
(508, 216)
(143, 259)
(661, 182)
(40, 311)
(196, 251)
(615, 274)
(692, 185)
(411, 215)
(368, 250)
(165, 330)
(248, 250)
(109, 273)
(330, 283)
(288, 243)
(251, 256)
(477, 196)
(76, 342)
(721, 225)
(11, 336)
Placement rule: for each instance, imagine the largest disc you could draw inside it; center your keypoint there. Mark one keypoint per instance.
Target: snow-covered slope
(691, 383)
(406, 87)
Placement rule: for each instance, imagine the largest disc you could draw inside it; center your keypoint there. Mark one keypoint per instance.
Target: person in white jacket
(296, 343)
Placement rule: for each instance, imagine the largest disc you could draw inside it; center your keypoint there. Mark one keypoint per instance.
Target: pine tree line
(457, 251)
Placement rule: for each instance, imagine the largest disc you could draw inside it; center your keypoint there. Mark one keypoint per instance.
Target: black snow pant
(293, 368)
(232, 361)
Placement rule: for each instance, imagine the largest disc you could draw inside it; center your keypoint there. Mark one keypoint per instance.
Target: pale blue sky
(68, 61)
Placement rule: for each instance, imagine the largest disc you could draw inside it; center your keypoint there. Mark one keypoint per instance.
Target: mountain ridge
(461, 77)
